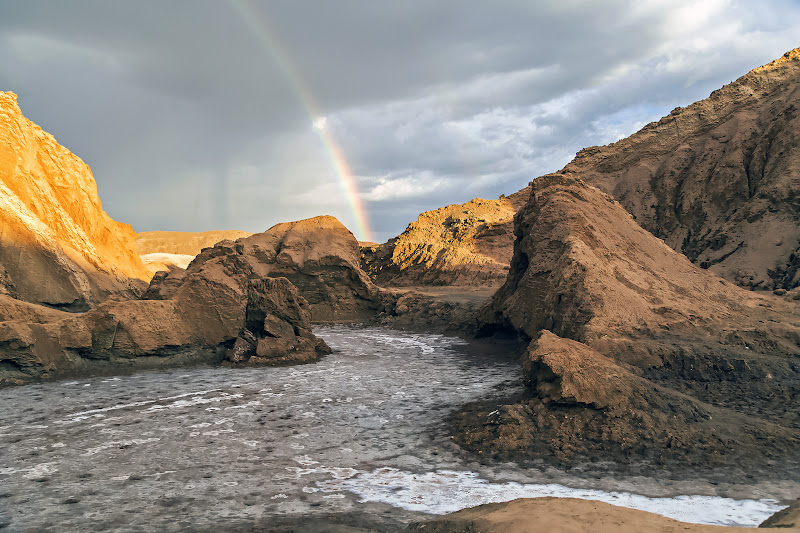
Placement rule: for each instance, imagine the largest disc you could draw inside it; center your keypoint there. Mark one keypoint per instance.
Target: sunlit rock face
(719, 180)
(57, 245)
(461, 244)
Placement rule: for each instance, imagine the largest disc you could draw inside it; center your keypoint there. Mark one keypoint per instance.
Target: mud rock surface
(719, 180)
(461, 244)
(57, 245)
(690, 346)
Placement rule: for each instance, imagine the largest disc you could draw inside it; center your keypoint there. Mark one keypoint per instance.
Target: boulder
(318, 255)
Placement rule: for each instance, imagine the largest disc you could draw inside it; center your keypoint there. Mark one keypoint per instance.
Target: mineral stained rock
(57, 246)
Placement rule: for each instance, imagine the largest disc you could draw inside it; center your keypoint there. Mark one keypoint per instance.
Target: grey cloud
(169, 101)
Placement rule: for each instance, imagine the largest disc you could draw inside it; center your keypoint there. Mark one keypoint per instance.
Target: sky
(239, 114)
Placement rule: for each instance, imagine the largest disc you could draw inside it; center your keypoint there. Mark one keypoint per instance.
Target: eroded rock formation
(460, 244)
(318, 255)
(212, 317)
(718, 180)
(661, 343)
(57, 245)
(223, 308)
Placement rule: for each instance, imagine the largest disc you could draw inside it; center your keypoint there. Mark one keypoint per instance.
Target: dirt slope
(718, 180)
(562, 515)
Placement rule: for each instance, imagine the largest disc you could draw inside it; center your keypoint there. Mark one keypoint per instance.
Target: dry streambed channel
(363, 432)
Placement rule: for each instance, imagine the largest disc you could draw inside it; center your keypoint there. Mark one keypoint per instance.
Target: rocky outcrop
(583, 404)
(222, 309)
(460, 244)
(652, 326)
(318, 255)
(719, 180)
(57, 246)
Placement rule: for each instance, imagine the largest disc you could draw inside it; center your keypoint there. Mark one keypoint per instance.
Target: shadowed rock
(662, 345)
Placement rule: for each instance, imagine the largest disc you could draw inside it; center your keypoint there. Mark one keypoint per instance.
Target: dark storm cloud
(190, 121)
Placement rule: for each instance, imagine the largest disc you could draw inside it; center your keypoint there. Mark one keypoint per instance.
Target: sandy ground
(563, 515)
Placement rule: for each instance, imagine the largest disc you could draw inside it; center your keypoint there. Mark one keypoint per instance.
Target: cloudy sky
(238, 114)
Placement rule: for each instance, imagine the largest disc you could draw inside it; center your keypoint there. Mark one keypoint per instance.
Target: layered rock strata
(57, 246)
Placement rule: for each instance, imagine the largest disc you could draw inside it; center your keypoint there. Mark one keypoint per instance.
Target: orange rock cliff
(57, 245)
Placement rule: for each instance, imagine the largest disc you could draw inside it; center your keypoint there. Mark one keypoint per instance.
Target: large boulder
(318, 255)
(57, 246)
(461, 244)
(718, 180)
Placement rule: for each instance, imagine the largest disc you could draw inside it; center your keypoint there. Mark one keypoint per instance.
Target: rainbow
(259, 25)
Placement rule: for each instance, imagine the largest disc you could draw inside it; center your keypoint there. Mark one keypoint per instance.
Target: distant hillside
(460, 244)
(182, 242)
